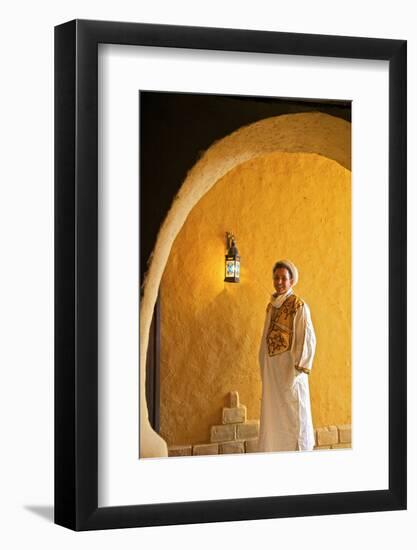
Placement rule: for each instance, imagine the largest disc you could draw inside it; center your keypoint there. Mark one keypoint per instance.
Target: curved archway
(308, 132)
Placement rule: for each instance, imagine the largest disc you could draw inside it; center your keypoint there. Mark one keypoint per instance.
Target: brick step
(228, 447)
(237, 434)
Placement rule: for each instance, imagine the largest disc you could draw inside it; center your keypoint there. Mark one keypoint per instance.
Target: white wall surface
(26, 285)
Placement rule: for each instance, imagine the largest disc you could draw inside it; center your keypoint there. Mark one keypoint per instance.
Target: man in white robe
(285, 356)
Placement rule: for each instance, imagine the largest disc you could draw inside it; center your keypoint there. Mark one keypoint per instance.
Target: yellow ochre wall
(281, 205)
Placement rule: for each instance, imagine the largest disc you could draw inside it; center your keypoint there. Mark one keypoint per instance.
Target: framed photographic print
(230, 255)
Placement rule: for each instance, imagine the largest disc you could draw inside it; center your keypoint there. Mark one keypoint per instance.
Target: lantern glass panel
(230, 268)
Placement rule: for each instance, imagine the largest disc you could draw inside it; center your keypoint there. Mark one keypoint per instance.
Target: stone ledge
(238, 435)
(206, 449)
(327, 436)
(234, 415)
(223, 432)
(251, 445)
(234, 399)
(345, 433)
(232, 447)
(248, 430)
(180, 450)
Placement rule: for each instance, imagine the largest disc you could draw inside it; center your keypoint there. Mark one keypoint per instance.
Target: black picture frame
(76, 272)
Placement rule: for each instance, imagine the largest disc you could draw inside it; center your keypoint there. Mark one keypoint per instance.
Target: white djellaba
(286, 422)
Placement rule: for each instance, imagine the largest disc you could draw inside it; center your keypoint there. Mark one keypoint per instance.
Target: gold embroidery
(302, 369)
(281, 327)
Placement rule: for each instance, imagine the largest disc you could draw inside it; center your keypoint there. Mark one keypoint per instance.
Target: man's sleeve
(261, 351)
(304, 340)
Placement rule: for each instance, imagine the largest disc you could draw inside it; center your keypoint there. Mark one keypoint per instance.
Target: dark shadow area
(45, 512)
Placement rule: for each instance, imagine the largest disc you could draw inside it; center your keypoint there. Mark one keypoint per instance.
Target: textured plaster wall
(294, 205)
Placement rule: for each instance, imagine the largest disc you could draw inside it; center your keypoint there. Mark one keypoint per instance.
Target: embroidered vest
(281, 327)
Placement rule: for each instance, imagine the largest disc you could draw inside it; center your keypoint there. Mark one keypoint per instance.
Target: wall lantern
(232, 260)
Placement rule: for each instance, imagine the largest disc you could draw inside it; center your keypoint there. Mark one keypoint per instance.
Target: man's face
(281, 279)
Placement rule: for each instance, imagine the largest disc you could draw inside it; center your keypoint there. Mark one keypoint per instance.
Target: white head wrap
(292, 268)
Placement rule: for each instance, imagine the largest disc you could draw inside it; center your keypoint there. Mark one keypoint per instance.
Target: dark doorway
(153, 368)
